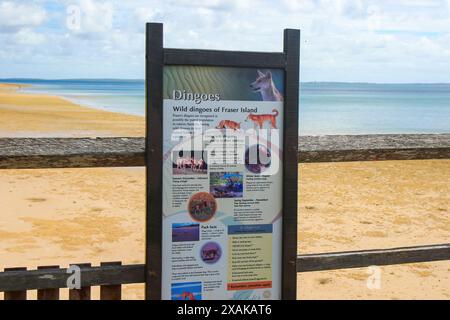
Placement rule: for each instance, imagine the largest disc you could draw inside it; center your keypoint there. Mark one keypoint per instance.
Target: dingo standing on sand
(259, 119)
(264, 84)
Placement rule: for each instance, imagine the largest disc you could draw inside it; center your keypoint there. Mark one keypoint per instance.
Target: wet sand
(63, 216)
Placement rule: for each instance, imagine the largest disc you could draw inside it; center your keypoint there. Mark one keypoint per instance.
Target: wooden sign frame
(156, 58)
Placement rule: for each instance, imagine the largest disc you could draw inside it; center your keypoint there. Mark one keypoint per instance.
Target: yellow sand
(42, 115)
(64, 216)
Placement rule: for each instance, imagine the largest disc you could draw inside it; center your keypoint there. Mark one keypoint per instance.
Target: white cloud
(14, 16)
(28, 37)
(348, 40)
(304, 6)
(351, 9)
(95, 16)
(148, 14)
(222, 5)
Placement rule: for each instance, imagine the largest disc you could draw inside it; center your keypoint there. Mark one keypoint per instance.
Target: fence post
(48, 294)
(290, 164)
(85, 292)
(154, 133)
(111, 292)
(15, 295)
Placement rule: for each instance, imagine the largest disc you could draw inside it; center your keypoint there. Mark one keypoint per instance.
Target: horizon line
(137, 79)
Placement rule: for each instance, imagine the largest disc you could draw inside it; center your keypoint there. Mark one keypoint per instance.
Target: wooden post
(154, 158)
(111, 292)
(15, 295)
(290, 164)
(48, 294)
(85, 292)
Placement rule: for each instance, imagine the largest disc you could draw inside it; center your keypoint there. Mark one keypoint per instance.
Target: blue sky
(342, 40)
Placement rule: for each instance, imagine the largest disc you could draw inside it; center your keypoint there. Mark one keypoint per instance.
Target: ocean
(325, 108)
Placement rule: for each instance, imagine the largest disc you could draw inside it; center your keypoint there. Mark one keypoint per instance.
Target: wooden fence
(25, 153)
(34, 153)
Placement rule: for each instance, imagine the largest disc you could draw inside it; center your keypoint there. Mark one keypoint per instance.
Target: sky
(342, 40)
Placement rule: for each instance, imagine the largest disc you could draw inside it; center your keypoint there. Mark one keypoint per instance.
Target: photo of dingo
(264, 84)
(259, 119)
(228, 124)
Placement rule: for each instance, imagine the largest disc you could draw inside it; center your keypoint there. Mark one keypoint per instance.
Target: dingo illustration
(259, 119)
(224, 124)
(264, 84)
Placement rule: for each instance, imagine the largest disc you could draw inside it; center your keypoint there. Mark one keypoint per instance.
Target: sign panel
(222, 183)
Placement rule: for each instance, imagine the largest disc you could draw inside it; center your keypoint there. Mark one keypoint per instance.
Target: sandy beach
(62, 216)
(39, 115)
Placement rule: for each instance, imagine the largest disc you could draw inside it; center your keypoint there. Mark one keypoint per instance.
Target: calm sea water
(325, 108)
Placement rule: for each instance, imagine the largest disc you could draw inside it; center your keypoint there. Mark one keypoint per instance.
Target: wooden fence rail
(366, 258)
(110, 276)
(26, 153)
(51, 278)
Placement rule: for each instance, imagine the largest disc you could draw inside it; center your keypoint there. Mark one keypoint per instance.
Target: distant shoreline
(325, 108)
(18, 86)
(16, 80)
(45, 115)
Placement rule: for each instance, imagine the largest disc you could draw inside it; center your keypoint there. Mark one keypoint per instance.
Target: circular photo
(258, 158)
(210, 252)
(202, 206)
